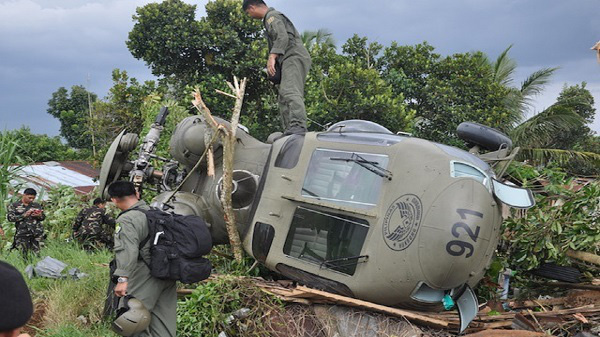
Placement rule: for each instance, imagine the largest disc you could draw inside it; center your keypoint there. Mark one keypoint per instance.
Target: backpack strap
(146, 239)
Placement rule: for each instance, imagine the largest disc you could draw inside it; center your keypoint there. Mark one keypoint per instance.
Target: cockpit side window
(330, 240)
(345, 178)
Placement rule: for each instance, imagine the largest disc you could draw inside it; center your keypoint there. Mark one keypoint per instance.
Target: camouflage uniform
(295, 61)
(89, 228)
(29, 230)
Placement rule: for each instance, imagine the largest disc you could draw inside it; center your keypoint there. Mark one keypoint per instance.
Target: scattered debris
(567, 315)
(52, 268)
(76, 274)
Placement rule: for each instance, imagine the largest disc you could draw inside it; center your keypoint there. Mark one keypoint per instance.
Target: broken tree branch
(229, 140)
(583, 256)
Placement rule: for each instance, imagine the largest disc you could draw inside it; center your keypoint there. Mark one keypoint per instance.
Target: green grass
(63, 301)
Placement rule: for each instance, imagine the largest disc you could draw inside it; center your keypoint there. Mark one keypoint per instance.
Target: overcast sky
(48, 44)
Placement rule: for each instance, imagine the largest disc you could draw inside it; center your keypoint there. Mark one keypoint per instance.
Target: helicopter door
(330, 240)
(513, 196)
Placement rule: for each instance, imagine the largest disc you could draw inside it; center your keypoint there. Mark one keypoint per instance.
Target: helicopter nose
(458, 234)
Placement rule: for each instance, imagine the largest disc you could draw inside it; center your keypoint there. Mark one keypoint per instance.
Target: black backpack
(177, 244)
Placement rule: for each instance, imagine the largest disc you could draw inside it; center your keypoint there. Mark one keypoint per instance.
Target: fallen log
(583, 256)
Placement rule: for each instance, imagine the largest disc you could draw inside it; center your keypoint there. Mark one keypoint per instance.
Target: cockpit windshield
(346, 178)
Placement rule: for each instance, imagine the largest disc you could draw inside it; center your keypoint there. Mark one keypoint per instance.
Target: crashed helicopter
(355, 210)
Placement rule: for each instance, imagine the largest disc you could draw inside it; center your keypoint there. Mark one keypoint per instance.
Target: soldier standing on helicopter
(93, 227)
(27, 216)
(287, 52)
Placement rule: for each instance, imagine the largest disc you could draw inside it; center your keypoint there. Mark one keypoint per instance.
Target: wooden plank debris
(504, 333)
(563, 312)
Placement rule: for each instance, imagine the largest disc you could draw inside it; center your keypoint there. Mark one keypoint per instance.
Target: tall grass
(10, 164)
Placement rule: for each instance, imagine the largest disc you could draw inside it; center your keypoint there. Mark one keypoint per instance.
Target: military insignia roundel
(401, 222)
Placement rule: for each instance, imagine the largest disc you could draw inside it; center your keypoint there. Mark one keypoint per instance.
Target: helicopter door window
(337, 177)
(330, 240)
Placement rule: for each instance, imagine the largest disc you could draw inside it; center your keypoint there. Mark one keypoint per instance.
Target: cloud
(48, 44)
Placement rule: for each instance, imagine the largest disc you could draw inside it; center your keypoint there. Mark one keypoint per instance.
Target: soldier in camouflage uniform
(287, 50)
(27, 216)
(93, 228)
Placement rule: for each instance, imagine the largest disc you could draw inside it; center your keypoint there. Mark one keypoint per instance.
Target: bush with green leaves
(61, 209)
(566, 217)
(207, 311)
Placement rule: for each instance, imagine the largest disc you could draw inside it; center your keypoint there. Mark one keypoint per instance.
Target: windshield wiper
(372, 166)
(347, 260)
(312, 194)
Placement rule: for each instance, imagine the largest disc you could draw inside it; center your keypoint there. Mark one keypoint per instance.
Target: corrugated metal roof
(43, 176)
(54, 175)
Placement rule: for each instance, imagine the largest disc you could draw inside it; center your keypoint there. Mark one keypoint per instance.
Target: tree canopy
(72, 110)
(32, 147)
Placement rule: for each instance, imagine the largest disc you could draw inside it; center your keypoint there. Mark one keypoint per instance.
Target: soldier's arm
(78, 221)
(126, 249)
(278, 34)
(107, 219)
(12, 215)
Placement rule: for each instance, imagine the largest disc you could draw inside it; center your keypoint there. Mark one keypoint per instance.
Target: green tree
(519, 99)
(445, 92)
(38, 148)
(363, 53)
(348, 86)
(121, 109)
(581, 101)
(559, 134)
(203, 53)
(72, 110)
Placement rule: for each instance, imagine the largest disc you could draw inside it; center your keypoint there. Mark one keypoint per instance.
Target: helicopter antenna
(324, 127)
(91, 126)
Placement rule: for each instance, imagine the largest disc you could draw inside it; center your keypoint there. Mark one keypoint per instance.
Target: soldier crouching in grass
(27, 216)
(93, 228)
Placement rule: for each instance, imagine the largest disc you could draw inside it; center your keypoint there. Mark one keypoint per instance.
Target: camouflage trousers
(95, 241)
(28, 244)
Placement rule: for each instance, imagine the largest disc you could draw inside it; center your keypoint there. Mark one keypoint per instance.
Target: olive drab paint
(356, 210)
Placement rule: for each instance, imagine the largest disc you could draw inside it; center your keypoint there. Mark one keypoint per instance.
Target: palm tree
(311, 38)
(535, 134)
(519, 101)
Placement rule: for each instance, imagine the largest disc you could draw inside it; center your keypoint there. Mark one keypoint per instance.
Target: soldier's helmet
(132, 317)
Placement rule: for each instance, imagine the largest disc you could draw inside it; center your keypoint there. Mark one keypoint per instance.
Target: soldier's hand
(271, 64)
(121, 289)
(28, 212)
